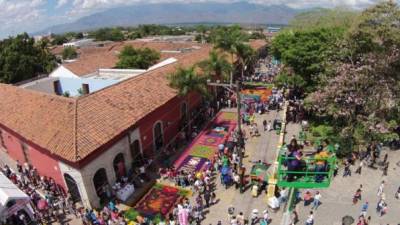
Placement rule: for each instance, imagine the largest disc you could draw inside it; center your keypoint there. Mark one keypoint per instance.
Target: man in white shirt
(380, 190)
(317, 200)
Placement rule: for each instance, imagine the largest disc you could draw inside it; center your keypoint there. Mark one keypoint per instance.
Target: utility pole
(240, 141)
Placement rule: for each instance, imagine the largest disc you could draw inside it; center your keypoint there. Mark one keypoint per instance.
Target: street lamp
(240, 142)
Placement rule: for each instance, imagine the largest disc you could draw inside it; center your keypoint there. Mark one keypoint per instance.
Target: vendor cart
(258, 173)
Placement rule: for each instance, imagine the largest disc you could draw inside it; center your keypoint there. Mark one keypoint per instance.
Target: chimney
(57, 87)
(85, 89)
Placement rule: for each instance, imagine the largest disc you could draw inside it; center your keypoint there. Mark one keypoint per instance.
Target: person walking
(385, 169)
(265, 125)
(307, 198)
(317, 200)
(310, 219)
(359, 168)
(240, 218)
(357, 195)
(397, 194)
(385, 159)
(207, 197)
(380, 189)
(254, 217)
(231, 212)
(213, 198)
(347, 171)
(294, 218)
(266, 218)
(364, 209)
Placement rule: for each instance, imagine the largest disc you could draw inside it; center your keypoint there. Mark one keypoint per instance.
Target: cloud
(61, 3)
(17, 15)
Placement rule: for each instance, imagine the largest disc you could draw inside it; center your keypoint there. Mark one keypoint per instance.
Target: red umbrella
(42, 204)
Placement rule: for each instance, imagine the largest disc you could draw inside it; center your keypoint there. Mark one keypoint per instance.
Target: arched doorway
(100, 182)
(158, 136)
(119, 165)
(72, 188)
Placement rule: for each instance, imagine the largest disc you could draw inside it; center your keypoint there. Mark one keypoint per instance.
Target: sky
(17, 16)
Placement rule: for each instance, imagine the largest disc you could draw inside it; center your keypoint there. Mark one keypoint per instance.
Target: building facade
(85, 143)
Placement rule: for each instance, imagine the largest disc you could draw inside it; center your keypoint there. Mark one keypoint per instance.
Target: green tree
(69, 53)
(21, 59)
(363, 96)
(216, 66)
(257, 35)
(78, 35)
(108, 34)
(132, 58)
(291, 81)
(186, 80)
(246, 57)
(59, 39)
(308, 52)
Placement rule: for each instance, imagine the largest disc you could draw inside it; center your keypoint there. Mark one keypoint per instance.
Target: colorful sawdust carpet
(210, 141)
(202, 151)
(192, 164)
(159, 200)
(228, 116)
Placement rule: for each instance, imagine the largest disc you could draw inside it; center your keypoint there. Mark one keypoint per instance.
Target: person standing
(317, 200)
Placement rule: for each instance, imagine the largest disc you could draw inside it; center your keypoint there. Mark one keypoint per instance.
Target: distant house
(87, 141)
(78, 43)
(273, 29)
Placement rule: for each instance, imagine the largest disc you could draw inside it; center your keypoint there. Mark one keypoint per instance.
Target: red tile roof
(93, 58)
(74, 128)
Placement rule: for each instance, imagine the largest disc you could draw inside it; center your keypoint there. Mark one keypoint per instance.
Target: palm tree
(229, 39)
(216, 66)
(246, 57)
(187, 80)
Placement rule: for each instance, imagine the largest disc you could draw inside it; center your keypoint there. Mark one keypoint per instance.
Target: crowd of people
(224, 164)
(48, 200)
(266, 70)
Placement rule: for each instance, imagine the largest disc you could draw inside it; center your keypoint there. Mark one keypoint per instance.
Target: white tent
(9, 192)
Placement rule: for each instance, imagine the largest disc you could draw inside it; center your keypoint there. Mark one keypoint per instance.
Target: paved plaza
(337, 199)
(257, 148)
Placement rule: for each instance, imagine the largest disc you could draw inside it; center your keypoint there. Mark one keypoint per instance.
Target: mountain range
(180, 13)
